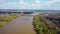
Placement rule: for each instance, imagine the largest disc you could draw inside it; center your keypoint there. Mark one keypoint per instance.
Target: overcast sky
(30, 4)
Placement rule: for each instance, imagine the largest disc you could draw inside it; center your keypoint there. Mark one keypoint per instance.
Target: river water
(20, 25)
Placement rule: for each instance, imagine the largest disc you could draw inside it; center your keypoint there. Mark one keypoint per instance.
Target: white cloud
(37, 1)
(21, 4)
(52, 2)
(25, 5)
(48, 4)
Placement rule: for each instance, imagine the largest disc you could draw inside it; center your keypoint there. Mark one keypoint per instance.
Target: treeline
(40, 27)
(55, 19)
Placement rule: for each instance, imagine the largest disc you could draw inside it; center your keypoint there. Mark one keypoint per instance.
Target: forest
(47, 23)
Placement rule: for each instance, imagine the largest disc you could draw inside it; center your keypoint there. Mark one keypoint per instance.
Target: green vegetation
(40, 27)
(7, 18)
(2, 23)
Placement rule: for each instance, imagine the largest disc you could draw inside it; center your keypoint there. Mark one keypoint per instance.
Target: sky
(30, 4)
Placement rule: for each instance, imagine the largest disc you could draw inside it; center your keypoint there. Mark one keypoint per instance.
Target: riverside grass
(4, 20)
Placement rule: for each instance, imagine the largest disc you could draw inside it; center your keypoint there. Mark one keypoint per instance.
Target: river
(20, 25)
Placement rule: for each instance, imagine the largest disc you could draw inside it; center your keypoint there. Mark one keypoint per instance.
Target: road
(20, 25)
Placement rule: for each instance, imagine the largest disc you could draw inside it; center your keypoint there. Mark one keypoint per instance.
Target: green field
(7, 17)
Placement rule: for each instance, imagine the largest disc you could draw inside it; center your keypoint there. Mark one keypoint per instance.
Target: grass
(8, 18)
(40, 27)
(2, 23)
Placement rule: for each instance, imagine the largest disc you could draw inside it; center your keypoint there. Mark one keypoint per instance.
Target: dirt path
(21, 25)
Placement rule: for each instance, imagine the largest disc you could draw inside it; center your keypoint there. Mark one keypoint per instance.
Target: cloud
(37, 1)
(26, 5)
(50, 2)
(21, 2)
(55, 4)
(20, 5)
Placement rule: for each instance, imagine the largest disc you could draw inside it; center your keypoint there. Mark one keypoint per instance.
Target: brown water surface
(21, 25)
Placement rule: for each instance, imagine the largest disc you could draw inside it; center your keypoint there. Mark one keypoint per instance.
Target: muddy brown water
(20, 25)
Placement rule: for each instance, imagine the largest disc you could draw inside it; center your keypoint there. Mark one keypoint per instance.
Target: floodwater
(20, 25)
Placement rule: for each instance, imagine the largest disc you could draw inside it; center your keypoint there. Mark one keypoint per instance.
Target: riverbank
(4, 18)
(40, 27)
